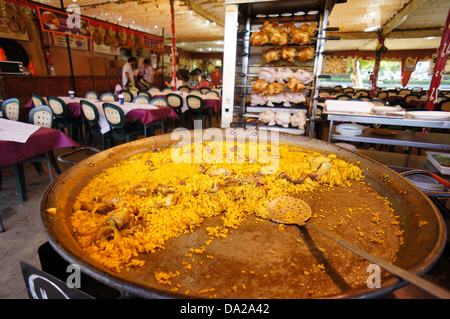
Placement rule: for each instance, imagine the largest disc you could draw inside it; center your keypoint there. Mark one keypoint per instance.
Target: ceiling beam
(200, 11)
(402, 15)
(410, 34)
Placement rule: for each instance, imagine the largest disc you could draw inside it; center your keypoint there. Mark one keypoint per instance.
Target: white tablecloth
(15, 131)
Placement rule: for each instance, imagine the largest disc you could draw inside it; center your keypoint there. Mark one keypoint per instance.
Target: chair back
(213, 93)
(382, 94)
(41, 115)
(348, 90)
(107, 97)
(154, 89)
(11, 109)
(343, 97)
(361, 93)
(404, 92)
(90, 112)
(444, 105)
(195, 91)
(38, 100)
(194, 102)
(184, 88)
(205, 90)
(145, 93)
(364, 98)
(410, 97)
(127, 96)
(92, 95)
(167, 90)
(58, 106)
(141, 99)
(174, 100)
(159, 101)
(114, 115)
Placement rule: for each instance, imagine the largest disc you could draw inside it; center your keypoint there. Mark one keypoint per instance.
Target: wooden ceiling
(199, 24)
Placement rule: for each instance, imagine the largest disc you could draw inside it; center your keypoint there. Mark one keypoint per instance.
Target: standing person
(146, 71)
(127, 72)
(216, 77)
(204, 82)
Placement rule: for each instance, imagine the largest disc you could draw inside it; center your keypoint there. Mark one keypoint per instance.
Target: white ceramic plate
(349, 129)
(433, 115)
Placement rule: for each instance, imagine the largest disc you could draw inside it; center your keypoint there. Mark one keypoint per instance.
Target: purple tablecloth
(148, 116)
(395, 99)
(43, 140)
(216, 104)
(416, 104)
(73, 108)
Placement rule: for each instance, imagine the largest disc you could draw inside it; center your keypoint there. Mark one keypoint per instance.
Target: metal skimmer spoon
(289, 210)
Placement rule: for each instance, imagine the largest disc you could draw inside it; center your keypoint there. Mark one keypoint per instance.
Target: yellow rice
(198, 195)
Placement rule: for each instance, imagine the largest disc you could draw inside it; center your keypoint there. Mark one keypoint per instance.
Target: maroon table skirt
(148, 116)
(43, 140)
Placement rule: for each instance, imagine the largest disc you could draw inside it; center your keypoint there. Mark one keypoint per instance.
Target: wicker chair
(64, 120)
(121, 129)
(141, 99)
(11, 109)
(175, 101)
(43, 116)
(107, 97)
(196, 109)
(92, 118)
(92, 95)
(38, 100)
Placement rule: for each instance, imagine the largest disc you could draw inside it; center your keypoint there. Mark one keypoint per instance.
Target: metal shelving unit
(244, 62)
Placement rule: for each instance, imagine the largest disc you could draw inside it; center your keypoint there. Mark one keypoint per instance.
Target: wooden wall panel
(22, 86)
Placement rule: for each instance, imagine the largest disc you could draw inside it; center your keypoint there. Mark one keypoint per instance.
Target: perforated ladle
(289, 210)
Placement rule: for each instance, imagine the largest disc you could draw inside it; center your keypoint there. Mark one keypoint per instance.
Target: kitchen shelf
(401, 138)
(243, 62)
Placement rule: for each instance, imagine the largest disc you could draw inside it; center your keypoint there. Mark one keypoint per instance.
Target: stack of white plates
(349, 129)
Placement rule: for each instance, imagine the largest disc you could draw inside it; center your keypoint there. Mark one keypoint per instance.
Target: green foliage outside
(389, 75)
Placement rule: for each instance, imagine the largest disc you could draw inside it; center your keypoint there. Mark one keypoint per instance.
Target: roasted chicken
(288, 53)
(305, 54)
(295, 85)
(275, 88)
(278, 38)
(269, 26)
(287, 28)
(300, 37)
(259, 38)
(308, 28)
(272, 54)
(260, 86)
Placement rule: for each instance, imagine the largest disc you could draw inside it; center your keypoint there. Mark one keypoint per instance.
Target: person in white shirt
(127, 71)
(179, 82)
(146, 71)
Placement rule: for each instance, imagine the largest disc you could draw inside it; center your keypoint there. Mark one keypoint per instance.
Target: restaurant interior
(388, 55)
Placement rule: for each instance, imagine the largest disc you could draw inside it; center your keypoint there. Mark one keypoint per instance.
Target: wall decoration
(63, 22)
(11, 29)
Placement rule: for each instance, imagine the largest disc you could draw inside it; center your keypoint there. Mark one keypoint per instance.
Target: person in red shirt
(204, 82)
(216, 77)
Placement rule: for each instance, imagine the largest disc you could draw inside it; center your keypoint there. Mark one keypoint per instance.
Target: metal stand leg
(2, 229)
(20, 181)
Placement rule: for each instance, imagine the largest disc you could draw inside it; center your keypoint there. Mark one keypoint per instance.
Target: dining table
(146, 113)
(21, 141)
(209, 100)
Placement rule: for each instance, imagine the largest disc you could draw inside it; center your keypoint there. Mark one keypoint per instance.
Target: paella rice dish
(137, 206)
